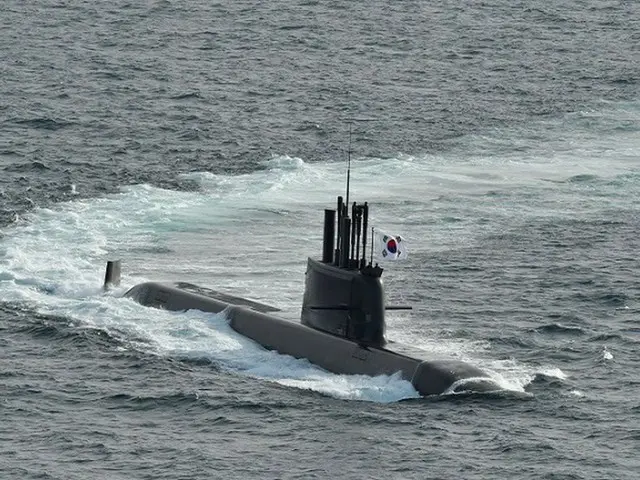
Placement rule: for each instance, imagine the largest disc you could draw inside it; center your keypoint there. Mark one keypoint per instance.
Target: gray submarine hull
(328, 351)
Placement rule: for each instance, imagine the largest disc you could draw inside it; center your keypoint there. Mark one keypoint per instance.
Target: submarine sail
(342, 295)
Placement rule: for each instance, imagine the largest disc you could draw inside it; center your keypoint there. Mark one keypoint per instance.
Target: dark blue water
(501, 138)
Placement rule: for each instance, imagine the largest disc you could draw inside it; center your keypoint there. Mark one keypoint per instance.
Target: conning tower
(343, 294)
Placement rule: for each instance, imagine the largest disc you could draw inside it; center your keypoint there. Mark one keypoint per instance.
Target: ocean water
(200, 141)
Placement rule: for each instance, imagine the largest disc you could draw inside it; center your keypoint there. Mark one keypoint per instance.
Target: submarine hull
(331, 352)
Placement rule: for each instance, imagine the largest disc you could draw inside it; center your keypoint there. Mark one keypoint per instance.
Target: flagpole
(373, 240)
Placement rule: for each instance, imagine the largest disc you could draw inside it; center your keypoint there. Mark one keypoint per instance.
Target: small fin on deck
(112, 274)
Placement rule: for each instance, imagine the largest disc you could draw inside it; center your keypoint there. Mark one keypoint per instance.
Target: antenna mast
(348, 166)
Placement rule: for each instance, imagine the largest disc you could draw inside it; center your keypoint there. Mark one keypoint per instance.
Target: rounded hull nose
(435, 377)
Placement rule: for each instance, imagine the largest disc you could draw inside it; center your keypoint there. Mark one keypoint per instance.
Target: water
(200, 142)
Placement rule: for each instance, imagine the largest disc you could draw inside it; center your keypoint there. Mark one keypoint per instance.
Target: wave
(26, 167)
(512, 341)
(605, 337)
(186, 96)
(215, 234)
(64, 331)
(152, 402)
(582, 178)
(549, 379)
(558, 328)
(44, 123)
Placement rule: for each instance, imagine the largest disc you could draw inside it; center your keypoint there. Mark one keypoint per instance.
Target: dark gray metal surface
(344, 302)
(331, 352)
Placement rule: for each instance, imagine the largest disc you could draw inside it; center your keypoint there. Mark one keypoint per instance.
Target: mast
(351, 230)
(348, 166)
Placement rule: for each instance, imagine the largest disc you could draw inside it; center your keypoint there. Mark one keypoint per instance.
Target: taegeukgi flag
(390, 247)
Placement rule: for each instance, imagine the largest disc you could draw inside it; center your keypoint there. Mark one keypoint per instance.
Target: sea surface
(200, 141)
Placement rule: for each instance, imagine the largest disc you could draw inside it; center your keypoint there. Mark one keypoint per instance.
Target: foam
(53, 259)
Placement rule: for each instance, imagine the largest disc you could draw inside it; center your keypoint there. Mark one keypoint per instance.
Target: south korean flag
(390, 247)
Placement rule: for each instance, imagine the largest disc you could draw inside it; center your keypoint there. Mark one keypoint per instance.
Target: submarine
(342, 320)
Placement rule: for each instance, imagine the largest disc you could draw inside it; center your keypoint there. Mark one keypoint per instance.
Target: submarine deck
(225, 297)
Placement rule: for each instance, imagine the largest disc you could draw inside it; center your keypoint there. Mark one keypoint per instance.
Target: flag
(389, 247)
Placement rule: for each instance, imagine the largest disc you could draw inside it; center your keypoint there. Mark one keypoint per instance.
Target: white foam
(53, 259)
(382, 388)
(553, 372)
(198, 335)
(506, 374)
